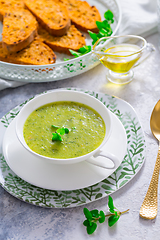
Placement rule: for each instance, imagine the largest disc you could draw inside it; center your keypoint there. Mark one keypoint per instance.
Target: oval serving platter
(61, 69)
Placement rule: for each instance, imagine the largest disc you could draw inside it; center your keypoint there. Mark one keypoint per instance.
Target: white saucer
(60, 177)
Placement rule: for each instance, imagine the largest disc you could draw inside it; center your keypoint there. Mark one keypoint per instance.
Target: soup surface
(86, 130)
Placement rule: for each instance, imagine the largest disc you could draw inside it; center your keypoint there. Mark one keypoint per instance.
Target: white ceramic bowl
(67, 95)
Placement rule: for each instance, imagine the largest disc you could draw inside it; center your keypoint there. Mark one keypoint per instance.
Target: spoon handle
(149, 206)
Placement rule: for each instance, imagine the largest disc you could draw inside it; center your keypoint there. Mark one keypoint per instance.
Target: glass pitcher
(120, 54)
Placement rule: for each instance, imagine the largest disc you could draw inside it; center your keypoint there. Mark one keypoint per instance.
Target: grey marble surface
(20, 220)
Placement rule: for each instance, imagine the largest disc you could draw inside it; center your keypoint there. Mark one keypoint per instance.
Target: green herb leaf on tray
(66, 59)
(83, 50)
(105, 30)
(94, 216)
(109, 16)
(74, 53)
(93, 36)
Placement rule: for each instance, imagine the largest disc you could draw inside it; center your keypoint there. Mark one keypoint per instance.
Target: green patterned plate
(129, 167)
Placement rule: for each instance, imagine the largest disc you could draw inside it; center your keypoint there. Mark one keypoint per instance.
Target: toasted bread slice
(37, 53)
(19, 30)
(53, 16)
(73, 39)
(82, 15)
(10, 6)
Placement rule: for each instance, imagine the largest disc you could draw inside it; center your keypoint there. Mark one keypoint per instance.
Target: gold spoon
(149, 206)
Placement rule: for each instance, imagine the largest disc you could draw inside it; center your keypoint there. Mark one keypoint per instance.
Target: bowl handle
(103, 164)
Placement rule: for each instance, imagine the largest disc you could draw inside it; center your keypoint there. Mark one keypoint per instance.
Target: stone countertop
(20, 220)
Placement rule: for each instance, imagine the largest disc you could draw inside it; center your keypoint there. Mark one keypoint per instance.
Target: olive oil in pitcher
(121, 57)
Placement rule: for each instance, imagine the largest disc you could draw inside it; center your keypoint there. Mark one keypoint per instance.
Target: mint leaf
(92, 228)
(56, 137)
(108, 15)
(84, 49)
(86, 223)
(93, 35)
(66, 130)
(112, 220)
(102, 217)
(105, 30)
(94, 215)
(74, 53)
(61, 131)
(87, 214)
(106, 25)
(110, 204)
(54, 126)
(100, 25)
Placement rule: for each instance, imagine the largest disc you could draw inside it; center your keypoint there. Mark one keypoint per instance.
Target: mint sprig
(57, 135)
(94, 216)
(105, 30)
(83, 50)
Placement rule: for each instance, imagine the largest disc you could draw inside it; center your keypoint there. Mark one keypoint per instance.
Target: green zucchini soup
(83, 130)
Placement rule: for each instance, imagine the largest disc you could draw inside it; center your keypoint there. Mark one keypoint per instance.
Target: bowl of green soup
(65, 127)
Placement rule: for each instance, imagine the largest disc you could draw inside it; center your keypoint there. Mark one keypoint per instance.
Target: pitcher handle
(103, 164)
(149, 50)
